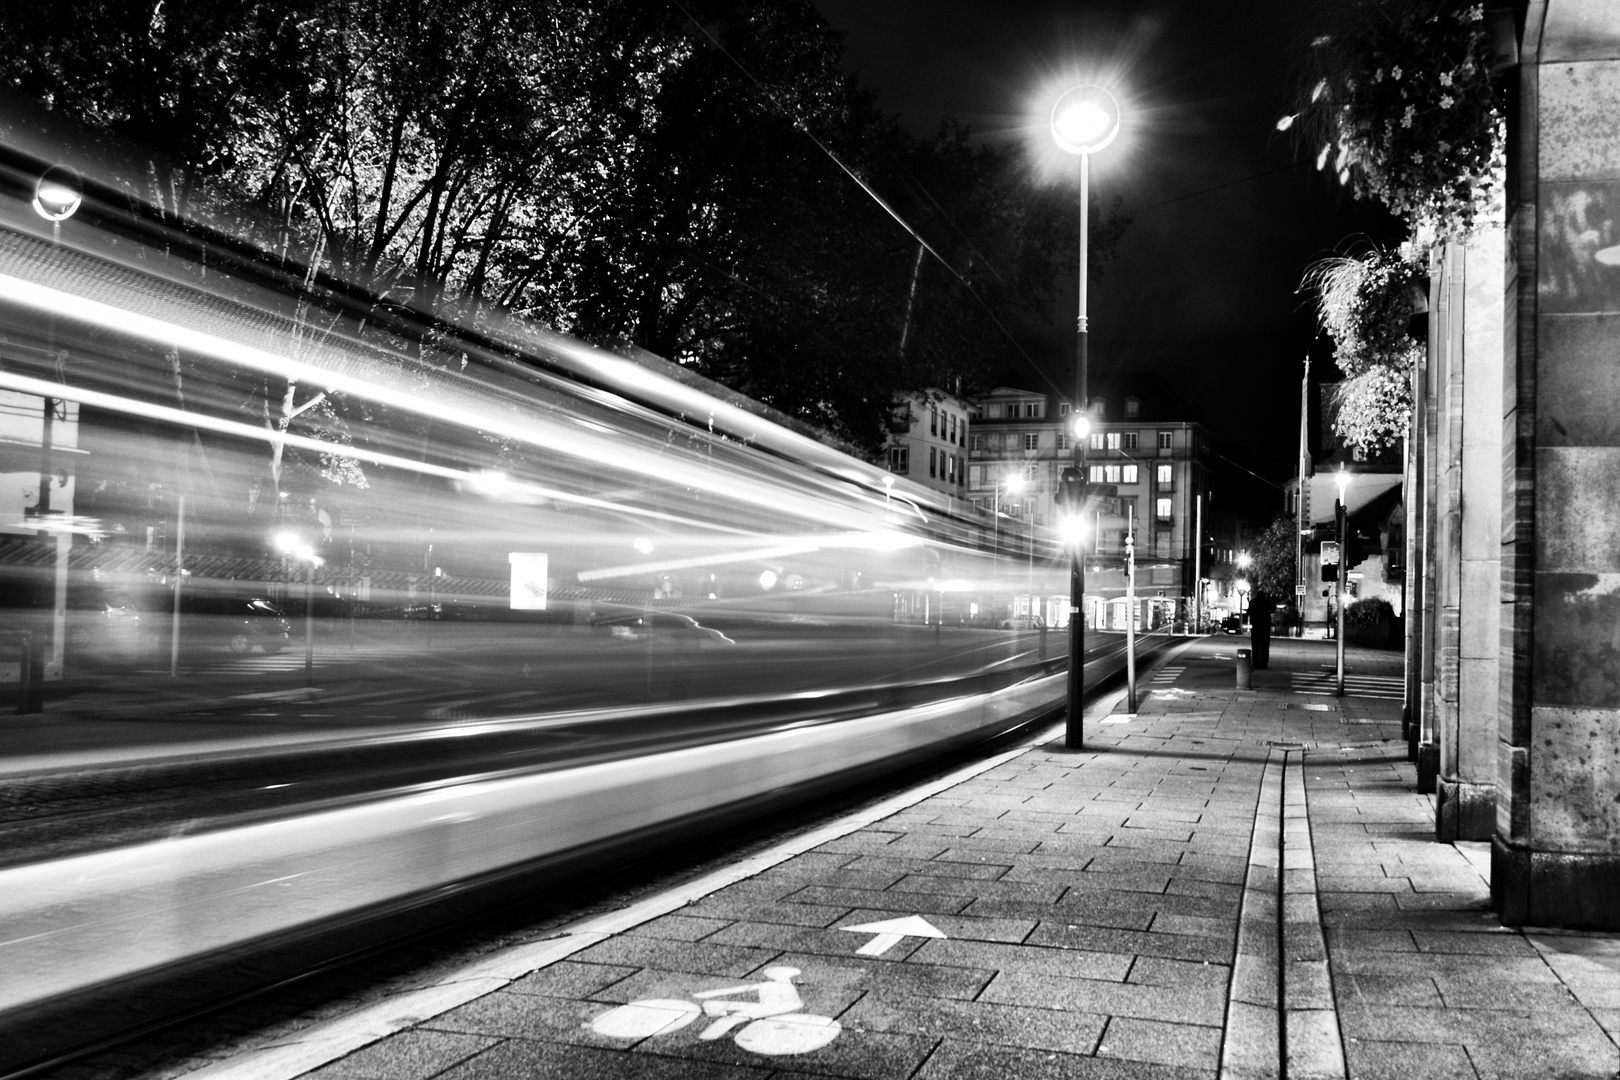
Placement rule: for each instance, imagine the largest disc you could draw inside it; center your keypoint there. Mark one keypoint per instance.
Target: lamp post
(56, 198)
(1085, 119)
(1339, 520)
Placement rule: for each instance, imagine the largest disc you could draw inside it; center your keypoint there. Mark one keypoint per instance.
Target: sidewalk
(1221, 881)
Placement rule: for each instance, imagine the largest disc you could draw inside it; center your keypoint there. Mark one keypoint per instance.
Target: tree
(1275, 554)
(597, 165)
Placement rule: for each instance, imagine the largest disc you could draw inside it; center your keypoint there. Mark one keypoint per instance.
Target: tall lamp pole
(1084, 120)
(1339, 516)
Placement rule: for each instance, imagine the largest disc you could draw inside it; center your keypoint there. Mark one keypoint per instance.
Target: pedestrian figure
(1260, 608)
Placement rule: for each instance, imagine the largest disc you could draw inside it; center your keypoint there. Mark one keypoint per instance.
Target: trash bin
(1245, 669)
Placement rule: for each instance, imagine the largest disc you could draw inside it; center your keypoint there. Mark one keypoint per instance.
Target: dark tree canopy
(600, 166)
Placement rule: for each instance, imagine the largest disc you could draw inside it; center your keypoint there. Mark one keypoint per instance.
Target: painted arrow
(890, 931)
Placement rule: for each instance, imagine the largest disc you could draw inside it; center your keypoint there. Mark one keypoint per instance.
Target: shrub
(1369, 611)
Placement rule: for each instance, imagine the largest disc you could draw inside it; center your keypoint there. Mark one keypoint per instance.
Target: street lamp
(1085, 119)
(1342, 479)
(56, 197)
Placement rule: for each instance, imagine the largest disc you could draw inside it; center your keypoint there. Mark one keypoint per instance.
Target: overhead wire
(799, 123)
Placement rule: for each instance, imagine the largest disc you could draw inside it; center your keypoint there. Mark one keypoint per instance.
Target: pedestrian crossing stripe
(1386, 687)
(1166, 676)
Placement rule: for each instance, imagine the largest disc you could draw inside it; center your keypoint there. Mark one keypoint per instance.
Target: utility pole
(1130, 609)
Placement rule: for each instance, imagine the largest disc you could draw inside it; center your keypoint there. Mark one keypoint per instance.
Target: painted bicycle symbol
(766, 1016)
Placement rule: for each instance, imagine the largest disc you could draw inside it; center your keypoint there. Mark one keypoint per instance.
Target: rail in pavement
(1224, 883)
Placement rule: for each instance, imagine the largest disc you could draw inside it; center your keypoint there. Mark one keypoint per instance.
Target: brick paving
(1094, 906)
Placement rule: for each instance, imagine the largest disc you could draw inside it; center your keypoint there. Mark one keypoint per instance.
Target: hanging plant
(1403, 104)
(1365, 304)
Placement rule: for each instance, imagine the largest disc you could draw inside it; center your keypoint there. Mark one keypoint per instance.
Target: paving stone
(408, 1056)
(938, 867)
(679, 927)
(1158, 971)
(963, 1060)
(797, 913)
(1372, 1060)
(571, 979)
(1190, 1004)
(910, 903)
(1068, 963)
(697, 957)
(1102, 939)
(523, 1058)
(980, 1021)
(1166, 1043)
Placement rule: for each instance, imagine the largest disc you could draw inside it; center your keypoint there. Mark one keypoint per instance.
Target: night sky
(1204, 288)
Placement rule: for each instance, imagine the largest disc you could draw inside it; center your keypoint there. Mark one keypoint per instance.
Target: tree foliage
(1366, 303)
(1275, 556)
(1401, 99)
(598, 165)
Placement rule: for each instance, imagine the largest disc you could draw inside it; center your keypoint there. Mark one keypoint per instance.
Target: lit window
(1111, 474)
(1096, 440)
(1032, 441)
(900, 459)
(1162, 509)
(1128, 475)
(1096, 474)
(1113, 440)
(1163, 474)
(1164, 440)
(1130, 440)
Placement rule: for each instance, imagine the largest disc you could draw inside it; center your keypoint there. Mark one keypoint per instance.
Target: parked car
(1232, 624)
(240, 624)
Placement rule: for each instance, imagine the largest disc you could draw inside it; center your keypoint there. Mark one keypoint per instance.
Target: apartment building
(928, 440)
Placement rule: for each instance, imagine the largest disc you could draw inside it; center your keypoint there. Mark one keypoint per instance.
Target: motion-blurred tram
(315, 604)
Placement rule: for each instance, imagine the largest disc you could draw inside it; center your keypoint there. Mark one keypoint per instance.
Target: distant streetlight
(1340, 520)
(1085, 119)
(292, 546)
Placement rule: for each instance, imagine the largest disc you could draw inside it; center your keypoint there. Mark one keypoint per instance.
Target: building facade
(928, 440)
(1156, 460)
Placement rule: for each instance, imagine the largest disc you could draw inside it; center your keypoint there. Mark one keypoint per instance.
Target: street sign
(1330, 553)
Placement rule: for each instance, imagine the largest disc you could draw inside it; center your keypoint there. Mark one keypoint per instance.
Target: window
(1164, 440)
(1063, 441)
(1133, 408)
(933, 456)
(1128, 475)
(1032, 440)
(1163, 475)
(1130, 440)
(975, 442)
(1113, 440)
(900, 459)
(1063, 408)
(933, 420)
(1161, 509)
(1032, 410)
(961, 474)
(1111, 474)
(952, 437)
(1096, 474)
(1096, 440)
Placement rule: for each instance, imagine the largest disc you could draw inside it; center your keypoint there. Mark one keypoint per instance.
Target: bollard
(1245, 669)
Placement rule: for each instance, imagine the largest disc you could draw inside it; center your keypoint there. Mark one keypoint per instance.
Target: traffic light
(1330, 560)
(1074, 494)
(1358, 548)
